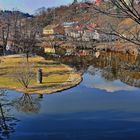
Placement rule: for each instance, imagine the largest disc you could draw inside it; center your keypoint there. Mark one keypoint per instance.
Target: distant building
(47, 47)
(68, 26)
(49, 50)
(85, 35)
(49, 30)
(53, 30)
(96, 35)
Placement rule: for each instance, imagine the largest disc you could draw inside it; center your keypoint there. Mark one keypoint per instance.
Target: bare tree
(16, 22)
(122, 9)
(27, 35)
(5, 25)
(24, 74)
(9, 25)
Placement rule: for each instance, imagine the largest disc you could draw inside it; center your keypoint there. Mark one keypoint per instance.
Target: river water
(104, 106)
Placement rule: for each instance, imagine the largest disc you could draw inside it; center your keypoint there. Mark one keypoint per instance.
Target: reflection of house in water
(113, 67)
(97, 54)
(84, 52)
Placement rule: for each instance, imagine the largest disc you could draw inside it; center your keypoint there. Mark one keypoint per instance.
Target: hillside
(4, 13)
(82, 13)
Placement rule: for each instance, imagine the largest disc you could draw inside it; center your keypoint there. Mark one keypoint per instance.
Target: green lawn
(55, 76)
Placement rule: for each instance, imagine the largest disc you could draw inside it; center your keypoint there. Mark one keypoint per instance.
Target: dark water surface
(105, 106)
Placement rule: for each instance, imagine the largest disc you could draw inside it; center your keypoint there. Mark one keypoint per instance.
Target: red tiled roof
(85, 26)
(98, 2)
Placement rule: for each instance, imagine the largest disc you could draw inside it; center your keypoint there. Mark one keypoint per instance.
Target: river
(104, 106)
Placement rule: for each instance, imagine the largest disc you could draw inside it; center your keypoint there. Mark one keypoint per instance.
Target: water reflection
(7, 120)
(101, 81)
(10, 105)
(112, 66)
(86, 111)
(28, 103)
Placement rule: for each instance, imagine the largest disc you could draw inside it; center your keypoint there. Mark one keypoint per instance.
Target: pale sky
(31, 5)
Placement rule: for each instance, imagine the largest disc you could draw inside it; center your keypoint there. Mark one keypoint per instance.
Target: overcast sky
(31, 5)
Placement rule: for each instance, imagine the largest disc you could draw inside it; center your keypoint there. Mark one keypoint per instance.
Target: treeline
(9, 12)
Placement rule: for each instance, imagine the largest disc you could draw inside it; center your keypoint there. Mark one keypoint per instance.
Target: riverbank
(120, 47)
(76, 48)
(56, 76)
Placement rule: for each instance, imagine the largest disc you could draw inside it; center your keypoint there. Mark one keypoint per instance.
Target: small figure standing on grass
(39, 76)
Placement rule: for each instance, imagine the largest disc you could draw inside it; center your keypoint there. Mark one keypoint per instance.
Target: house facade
(83, 32)
(53, 30)
(49, 30)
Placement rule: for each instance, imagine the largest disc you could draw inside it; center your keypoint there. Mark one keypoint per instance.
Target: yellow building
(49, 50)
(49, 30)
(53, 29)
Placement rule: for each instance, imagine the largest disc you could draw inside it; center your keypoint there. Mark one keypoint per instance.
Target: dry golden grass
(55, 76)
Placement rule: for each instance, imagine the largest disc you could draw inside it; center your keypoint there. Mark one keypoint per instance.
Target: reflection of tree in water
(7, 121)
(109, 74)
(113, 66)
(28, 104)
(123, 67)
(92, 71)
